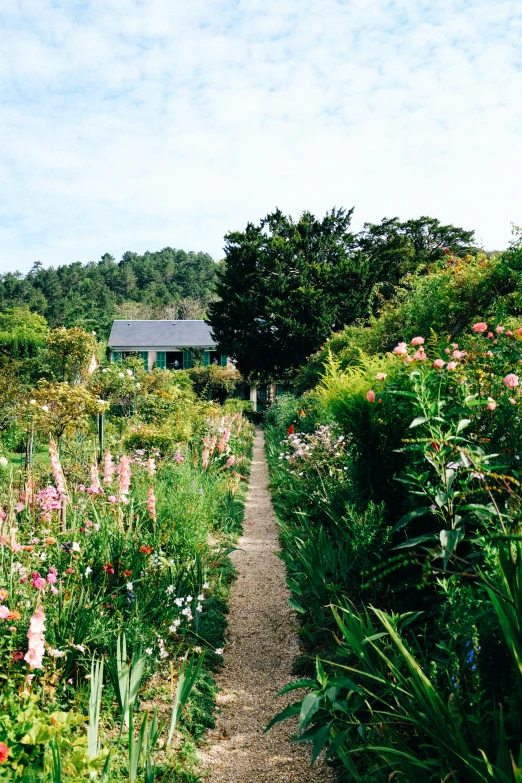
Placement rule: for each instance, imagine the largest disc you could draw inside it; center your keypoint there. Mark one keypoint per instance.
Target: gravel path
(262, 645)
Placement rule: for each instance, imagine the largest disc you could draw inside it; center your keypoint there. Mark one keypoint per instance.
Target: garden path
(262, 644)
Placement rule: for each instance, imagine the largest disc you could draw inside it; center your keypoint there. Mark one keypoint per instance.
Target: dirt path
(261, 647)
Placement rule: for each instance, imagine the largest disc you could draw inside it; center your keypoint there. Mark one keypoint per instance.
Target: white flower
(148, 650)
(43, 556)
(170, 589)
(178, 601)
(129, 373)
(32, 402)
(206, 586)
(138, 385)
(79, 647)
(129, 587)
(199, 608)
(105, 369)
(102, 402)
(189, 598)
(45, 408)
(55, 653)
(175, 625)
(75, 546)
(121, 375)
(88, 571)
(219, 651)
(201, 597)
(4, 462)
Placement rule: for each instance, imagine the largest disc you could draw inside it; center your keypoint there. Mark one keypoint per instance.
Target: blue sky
(137, 124)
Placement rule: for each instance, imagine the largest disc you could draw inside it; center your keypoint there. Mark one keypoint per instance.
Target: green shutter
(206, 358)
(161, 359)
(187, 360)
(116, 356)
(224, 360)
(144, 355)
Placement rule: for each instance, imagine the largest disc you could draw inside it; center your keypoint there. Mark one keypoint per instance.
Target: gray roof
(160, 335)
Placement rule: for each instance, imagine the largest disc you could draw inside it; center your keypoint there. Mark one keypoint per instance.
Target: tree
(70, 353)
(389, 250)
(22, 333)
(282, 290)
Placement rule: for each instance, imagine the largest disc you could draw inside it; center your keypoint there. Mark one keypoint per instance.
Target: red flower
(146, 550)
(291, 429)
(108, 568)
(127, 573)
(4, 752)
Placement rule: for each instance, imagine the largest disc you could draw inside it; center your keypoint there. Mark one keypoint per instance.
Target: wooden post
(100, 436)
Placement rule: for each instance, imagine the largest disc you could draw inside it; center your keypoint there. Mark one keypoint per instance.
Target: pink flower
(4, 612)
(511, 380)
(59, 478)
(519, 332)
(151, 503)
(112, 499)
(479, 327)
(407, 359)
(51, 578)
(500, 329)
(4, 752)
(488, 353)
(509, 333)
(230, 461)
(54, 591)
(35, 636)
(490, 335)
(108, 468)
(420, 355)
(19, 506)
(69, 570)
(37, 581)
(447, 350)
(418, 341)
(401, 349)
(512, 401)
(491, 404)
(381, 376)
(459, 354)
(4, 595)
(451, 366)
(151, 466)
(96, 487)
(439, 363)
(178, 457)
(124, 472)
(370, 395)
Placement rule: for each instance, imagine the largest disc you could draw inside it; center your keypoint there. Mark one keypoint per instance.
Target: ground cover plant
(114, 575)
(403, 553)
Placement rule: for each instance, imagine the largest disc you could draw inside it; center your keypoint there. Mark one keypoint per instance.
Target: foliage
(22, 333)
(281, 290)
(70, 353)
(214, 383)
(165, 284)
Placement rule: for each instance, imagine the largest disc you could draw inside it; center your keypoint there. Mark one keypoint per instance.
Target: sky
(141, 124)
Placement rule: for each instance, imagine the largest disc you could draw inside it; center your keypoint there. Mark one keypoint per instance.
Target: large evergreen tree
(282, 290)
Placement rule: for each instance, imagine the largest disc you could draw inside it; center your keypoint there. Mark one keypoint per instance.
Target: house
(171, 345)
(165, 344)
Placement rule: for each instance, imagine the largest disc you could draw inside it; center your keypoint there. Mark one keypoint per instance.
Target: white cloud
(135, 124)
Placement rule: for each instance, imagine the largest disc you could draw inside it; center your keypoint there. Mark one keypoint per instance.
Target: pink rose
(512, 401)
(451, 366)
(418, 341)
(519, 332)
(381, 376)
(439, 363)
(479, 327)
(407, 359)
(509, 333)
(490, 335)
(500, 329)
(370, 395)
(420, 355)
(454, 346)
(511, 380)
(491, 404)
(459, 354)
(401, 349)
(447, 350)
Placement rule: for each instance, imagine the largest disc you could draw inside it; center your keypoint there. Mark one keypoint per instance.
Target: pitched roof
(160, 335)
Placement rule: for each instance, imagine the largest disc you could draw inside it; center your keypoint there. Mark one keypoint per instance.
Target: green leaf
(449, 540)
(417, 512)
(288, 712)
(309, 707)
(463, 423)
(319, 742)
(296, 684)
(418, 421)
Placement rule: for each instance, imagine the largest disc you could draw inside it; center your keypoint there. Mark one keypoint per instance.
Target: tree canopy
(165, 284)
(286, 285)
